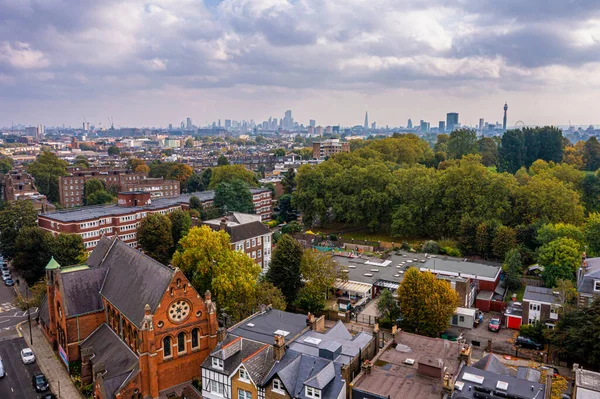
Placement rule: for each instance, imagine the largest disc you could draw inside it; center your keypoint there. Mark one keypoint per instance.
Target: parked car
(4, 267)
(495, 324)
(524, 342)
(9, 282)
(6, 276)
(1, 368)
(553, 369)
(40, 383)
(27, 356)
(48, 395)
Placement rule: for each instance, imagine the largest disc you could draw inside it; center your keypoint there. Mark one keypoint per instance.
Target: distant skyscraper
(170, 126)
(228, 123)
(442, 126)
(312, 123)
(374, 125)
(188, 125)
(409, 124)
(504, 120)
(219, 125)
(366, 125)
(481, 122)
(424, 126)
(451, 121)
(288, 121)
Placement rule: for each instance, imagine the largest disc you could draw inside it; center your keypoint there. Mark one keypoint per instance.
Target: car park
(40, 383)
(524, 342)
(27, 356)
(495, 324)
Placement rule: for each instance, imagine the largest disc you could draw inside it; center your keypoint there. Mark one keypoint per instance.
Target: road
(10, 315)
(17, 382)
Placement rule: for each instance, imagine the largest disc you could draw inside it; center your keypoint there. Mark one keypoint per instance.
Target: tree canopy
(46, 169)
(229, 173)
(560, 259)
(15, 216)
(319, 271)
(155, 237)
(284, 270)
(234, 196)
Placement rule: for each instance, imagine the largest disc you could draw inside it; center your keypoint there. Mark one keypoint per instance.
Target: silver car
(27, 356)
(1, 368)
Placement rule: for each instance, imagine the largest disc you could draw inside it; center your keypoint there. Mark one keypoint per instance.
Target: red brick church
(138, 327)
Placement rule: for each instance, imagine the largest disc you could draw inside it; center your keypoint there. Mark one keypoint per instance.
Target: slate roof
(232, 359)
(539, 294)
(529, 374)
(259, 364)
(295, 370)
(492, 364)
(516, 386)
(101, 249)
(265, 324)
(118, 359)
(587, 282)
(134, 280)
(240, 226)
(81, 291)
(337, 337)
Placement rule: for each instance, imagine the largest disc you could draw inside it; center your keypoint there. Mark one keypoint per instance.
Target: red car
(495, 324)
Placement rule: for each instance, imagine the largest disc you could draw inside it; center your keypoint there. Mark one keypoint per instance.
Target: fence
(534, 282)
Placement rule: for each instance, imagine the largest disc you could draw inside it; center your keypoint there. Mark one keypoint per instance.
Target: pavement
(51, 366)
(17, 382)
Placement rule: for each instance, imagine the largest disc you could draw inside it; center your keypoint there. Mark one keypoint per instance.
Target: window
(247, 243)
(253, 242)
(167, 347)
(313, 393)
(597, 285)
(461, 318)
(216, 388)
(195, 334)
(253, 254)
(181, 342)
(244, 375)
(217, 363)
(534, 306)
(244, 394)
(258, 253)
(277, 386)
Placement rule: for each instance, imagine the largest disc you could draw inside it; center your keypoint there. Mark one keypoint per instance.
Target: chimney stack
(278, 347)
(223, 224)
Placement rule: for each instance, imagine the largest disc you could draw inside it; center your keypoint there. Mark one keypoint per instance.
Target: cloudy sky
(154, 62)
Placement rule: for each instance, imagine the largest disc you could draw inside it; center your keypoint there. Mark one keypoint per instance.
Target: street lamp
(28, 312)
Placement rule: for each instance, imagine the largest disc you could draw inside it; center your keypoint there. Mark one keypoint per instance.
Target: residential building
(261, 198)
(489, 378)
(327, 148)
(540, 304)
(411, 366)
(138, 327)
(247, 234)
(588, 281)
(19, 185)
(156, 186)
(586, 383)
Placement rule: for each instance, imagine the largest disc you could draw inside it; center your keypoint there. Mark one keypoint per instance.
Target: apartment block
(327, 148)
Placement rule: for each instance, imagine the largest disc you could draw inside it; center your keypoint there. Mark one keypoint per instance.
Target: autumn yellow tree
(207, 258)
(426, 303)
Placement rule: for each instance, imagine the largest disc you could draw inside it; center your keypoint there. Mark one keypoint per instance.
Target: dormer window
(278, 386)
(244, 375)
(597, 285)
(217, 363)
(313, 393)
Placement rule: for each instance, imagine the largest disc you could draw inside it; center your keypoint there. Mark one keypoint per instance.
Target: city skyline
(153, 64)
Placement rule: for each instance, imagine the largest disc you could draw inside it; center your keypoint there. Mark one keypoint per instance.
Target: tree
(567, 295)
(560, 259)
(138, 165)
(195, 203)
(99, 198)
(591, 154)
(319, 271)
(284, 270)
(113, 150)
(431, 247)
(92, 186)
(195, 184)
(171, 171)
(155, 237)
(67, 249)
(289, 181)
(268, 294)
(488, 149)
(427, 303)
(592, 233)
(33, 253)
(189, 143)
(511, 152)
(504, 240)
(287, 212)
(387, 306)
(181, 222)
(6, 165)
(207, 258)
(82, 161)
(46, 169)
(226, 174)
(462, 142)
(513, 269)
(590, 197)
(15, 216)
(552, 231)
(222, 161)
(280, 152)
(234, 196)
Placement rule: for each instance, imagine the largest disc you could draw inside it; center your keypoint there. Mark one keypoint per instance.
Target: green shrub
(406, 246)
(273, 223)
(431, 247)
(333, 237)
(290, 228)
(450, 251)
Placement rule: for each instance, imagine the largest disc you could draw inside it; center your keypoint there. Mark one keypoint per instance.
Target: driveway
(17, 382)
(502, 341)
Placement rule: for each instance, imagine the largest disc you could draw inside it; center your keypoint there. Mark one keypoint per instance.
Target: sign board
(63, 356)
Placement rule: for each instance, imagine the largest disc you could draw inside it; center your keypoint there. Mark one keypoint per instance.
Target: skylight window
(282, 333)
(477, 379)
(312, 340)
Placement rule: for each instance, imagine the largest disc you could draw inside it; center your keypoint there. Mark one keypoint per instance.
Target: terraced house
(138, 327)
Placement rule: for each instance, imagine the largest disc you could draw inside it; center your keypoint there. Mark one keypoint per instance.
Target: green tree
(387, 306)
(195, 203)
(268, 294)
(553, 231)
(67, 249)
(181, 222)
(6, 165)
(234, 196)
(32, 254)
(513, 269)
(289, 181)
(92, 186)
(590, 187)
(138, 165)
(427, 303)
(592, 233)
(99, 198)
(196, 183)
(207, 258)
(561, 259)
(287, 213)
(226, 174)
(591, 154)
(488, 149)
(113, 150)
(82, 161)
(431, 247)
(222, 161)
(504, 240)
(15, 216)
(319, 272)
(462, 142)
(171, 171)
(155, 237)
(511, 152)
(284, 270)
(280, 152)
(46, 169)
(189, 143)
(484, 237)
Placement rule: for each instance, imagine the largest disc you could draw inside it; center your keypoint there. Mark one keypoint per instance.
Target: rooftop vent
(250, 324)
(477, 379)
(312, 340)
(282, 333)
(409, 361)
(503, 385)
(459, 385)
